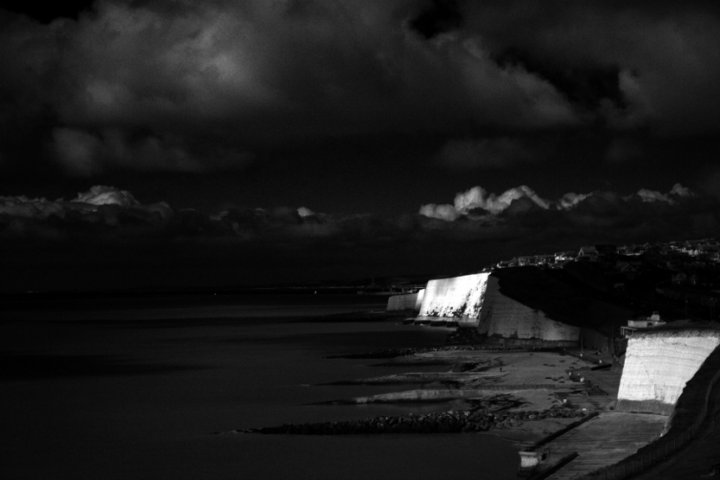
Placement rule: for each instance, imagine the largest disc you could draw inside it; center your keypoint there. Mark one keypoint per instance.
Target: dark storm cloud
(621, 150)
(84, 153)
(247, 75)
(199, 86)
(503, 152)
(441, 16)
(667, 65)
(46, 12)
(590, 88)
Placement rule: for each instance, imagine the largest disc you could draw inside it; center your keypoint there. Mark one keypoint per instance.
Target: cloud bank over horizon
(477, 202)
(476, 205)
(474, 208)
(108, 232)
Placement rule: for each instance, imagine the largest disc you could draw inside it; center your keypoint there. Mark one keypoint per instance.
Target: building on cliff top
(588, 253)
(633, 326)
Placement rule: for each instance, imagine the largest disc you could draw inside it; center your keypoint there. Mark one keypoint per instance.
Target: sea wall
(454, 300)
(658, 364)
(405, 301)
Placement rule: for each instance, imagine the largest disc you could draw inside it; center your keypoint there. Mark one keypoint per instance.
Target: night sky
(294, 141)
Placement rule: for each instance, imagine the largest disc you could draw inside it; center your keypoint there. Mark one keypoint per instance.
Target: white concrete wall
(658, 365)
(454, 299)
(406, 301)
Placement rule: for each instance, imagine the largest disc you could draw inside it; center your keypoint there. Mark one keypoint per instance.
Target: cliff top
(680, 328)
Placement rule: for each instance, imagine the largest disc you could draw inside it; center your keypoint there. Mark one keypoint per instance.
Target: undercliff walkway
(689, 450)
(603, 441)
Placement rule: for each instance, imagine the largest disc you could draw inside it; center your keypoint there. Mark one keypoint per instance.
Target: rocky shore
(523, 395)
(481, 418)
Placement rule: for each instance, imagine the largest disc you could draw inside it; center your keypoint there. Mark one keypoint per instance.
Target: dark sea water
(136, 388)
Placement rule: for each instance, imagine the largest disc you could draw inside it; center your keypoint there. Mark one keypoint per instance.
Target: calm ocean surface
(135, 388)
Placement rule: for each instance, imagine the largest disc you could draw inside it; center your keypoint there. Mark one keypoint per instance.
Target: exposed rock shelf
(444, 378)
(518, 392)
(478, 419)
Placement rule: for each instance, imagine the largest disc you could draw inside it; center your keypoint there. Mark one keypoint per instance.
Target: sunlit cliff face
(659, 364)
(454, 299)
(476, 301)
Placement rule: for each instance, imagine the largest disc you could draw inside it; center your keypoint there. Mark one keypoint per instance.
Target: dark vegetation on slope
(563, 297)
(607, 293)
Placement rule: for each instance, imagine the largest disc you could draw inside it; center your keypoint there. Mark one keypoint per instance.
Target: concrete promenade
(700, 458)
(602, 441)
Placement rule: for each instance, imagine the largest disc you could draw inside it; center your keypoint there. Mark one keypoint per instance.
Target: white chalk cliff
(658, 364)
(456, 299)
(405, 301)
(476, 301)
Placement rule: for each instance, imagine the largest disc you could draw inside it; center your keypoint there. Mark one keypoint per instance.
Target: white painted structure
(529, 459)
(652, 321)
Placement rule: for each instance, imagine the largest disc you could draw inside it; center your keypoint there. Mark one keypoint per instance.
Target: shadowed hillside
(563, 297)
